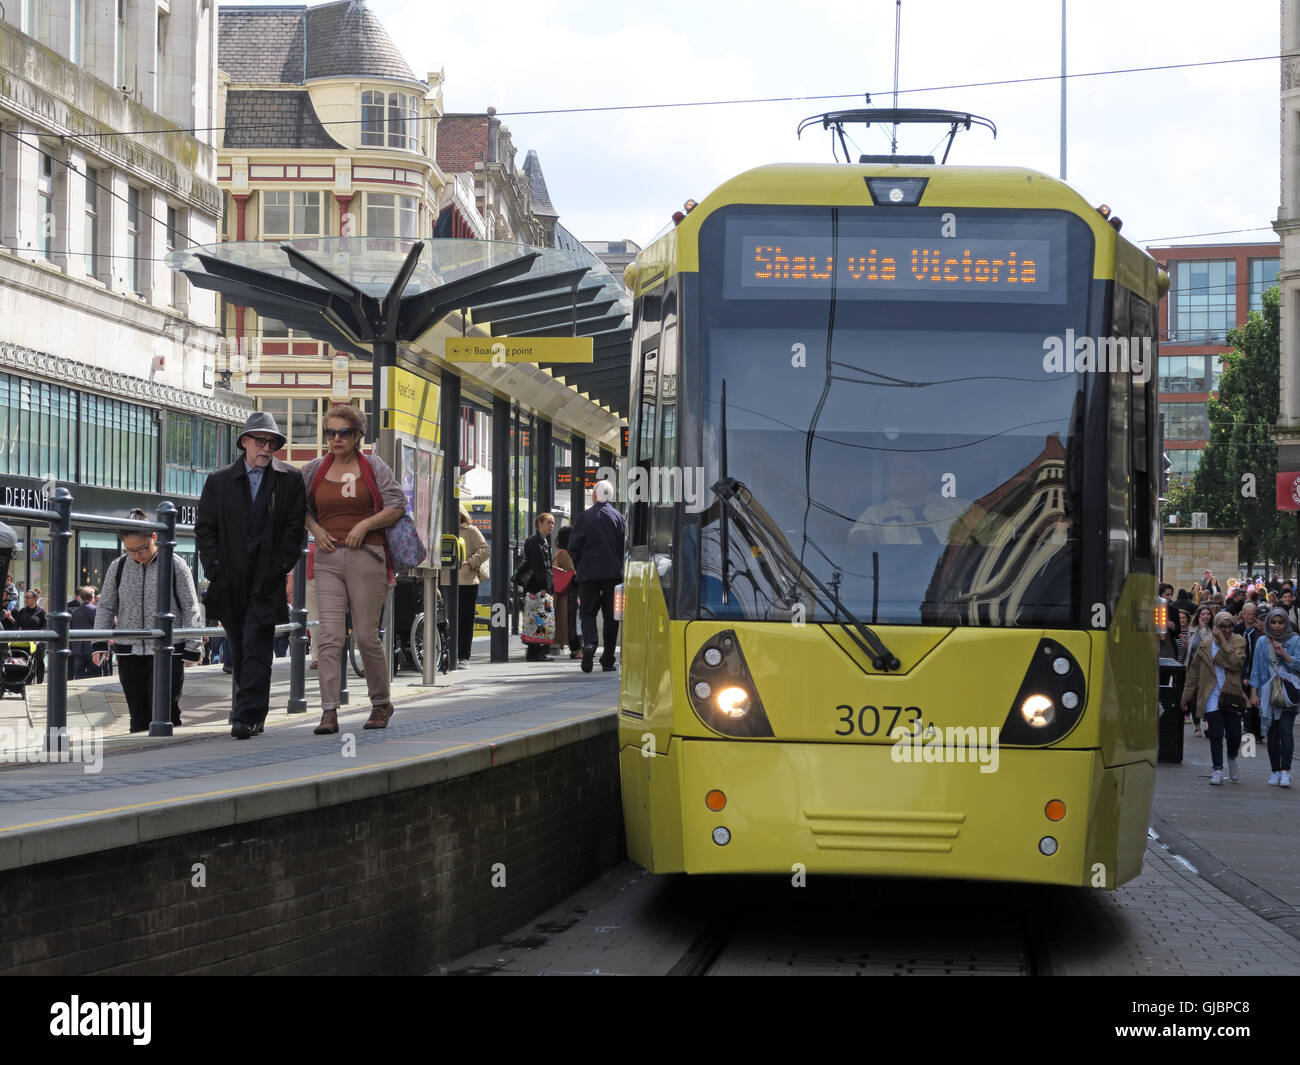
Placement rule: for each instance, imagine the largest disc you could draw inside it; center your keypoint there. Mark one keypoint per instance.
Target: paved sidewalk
(206, 699)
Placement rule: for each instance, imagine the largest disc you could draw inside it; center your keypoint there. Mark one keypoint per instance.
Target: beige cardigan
(1200, 670)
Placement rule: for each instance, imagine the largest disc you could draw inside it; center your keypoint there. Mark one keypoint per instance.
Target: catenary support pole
(501, 567)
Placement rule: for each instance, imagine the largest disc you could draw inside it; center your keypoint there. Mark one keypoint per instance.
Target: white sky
(1173, 152)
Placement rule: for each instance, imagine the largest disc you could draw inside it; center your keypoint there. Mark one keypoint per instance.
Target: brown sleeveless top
(338, 512)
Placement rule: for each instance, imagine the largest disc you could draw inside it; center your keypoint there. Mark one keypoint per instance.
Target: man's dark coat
(222, 531)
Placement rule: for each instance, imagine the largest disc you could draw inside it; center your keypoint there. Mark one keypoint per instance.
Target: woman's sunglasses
(342, 434)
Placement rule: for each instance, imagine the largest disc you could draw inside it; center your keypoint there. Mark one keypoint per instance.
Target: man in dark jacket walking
(83, 617)
(250, 528)
(596, 546)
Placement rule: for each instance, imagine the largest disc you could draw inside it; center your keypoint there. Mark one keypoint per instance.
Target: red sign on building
(1288, 491)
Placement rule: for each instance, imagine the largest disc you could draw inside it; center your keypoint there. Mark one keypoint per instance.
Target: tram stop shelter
(441, 319)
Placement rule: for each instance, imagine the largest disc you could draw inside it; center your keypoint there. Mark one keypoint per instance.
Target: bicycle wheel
(417, 643)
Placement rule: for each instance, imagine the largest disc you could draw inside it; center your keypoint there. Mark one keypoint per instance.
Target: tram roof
(838, 184)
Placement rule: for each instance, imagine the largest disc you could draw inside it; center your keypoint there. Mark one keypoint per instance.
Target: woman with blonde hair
(351, 499)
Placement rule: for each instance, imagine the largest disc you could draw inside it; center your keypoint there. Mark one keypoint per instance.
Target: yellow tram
(892, 532)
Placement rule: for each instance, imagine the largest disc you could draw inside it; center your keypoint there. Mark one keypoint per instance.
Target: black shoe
(588, 653)
(226, 667)
(608, 668)
(241, 731)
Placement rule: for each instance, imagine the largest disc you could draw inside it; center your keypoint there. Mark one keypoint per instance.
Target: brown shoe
(379, 716)
(329, 723)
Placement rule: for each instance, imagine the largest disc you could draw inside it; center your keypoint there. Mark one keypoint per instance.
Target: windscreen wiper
(739, 500)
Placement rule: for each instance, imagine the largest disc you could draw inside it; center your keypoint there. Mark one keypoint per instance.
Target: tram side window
(638, 508)
(670, 484)
(1119, 486)
(1142, 425)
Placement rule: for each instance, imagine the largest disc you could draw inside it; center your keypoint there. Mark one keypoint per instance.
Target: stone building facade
(107, 357)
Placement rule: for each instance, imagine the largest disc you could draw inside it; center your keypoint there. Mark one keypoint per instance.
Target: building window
(120, 44)
(1202, 301)
(29, 17)
(391, 119)
(191, 453)
(75, 32)
(94, 258)
(176, 239)
(135, 267)
(1263, 276)
(304, 422)
(44, 204)
(390, 215)
(291, 214)
(1184, 463)
(1186, 421)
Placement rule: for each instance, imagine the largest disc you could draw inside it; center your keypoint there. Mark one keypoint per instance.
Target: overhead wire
(289, 123)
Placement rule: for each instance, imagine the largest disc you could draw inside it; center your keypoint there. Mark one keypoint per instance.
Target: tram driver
(914, 511)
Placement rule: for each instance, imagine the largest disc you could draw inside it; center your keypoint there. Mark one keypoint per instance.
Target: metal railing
(58, 637)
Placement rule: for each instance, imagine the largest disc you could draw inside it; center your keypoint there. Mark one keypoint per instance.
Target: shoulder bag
(405, 549)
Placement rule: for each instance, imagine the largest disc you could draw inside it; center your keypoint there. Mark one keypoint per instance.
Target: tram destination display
(909, 259)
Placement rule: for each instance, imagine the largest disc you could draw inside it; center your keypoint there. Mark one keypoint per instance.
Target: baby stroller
(17, 670)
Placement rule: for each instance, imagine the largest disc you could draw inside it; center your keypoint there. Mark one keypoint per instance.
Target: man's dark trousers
(593, 596)
(136, 674)
(250, 642)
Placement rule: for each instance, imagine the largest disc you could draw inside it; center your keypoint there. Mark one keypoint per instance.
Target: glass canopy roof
(354, 291)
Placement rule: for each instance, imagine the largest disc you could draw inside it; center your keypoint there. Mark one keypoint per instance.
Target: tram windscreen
(920, 456)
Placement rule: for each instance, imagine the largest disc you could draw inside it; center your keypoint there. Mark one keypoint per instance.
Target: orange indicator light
(1055, 810)
(715, 801)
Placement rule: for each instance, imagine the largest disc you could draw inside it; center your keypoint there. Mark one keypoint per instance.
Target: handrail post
(298, 641)
(165, 620)
(56, 706)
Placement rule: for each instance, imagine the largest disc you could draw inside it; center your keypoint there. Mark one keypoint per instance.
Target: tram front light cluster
(722, 690)
(1051, 700)
(618, 602)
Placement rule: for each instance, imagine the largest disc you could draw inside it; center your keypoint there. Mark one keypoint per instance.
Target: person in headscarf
(1214, 678)
(1277, 659)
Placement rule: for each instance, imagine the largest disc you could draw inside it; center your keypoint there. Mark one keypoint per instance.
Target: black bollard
(56, 711)
(163, 659)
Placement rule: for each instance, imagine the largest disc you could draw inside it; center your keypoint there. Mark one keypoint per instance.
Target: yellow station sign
(411, 404)
(519, 349)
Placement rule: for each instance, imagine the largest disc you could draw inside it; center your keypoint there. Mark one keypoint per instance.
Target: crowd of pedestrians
(1241, 648)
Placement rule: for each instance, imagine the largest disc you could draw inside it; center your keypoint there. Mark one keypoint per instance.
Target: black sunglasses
(342, 434)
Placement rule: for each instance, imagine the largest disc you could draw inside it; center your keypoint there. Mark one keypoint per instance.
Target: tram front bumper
(860, 809)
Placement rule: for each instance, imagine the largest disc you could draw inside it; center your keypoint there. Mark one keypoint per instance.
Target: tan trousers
(357, 581)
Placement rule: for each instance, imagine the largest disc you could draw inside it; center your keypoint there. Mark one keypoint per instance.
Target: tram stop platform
(488, 797)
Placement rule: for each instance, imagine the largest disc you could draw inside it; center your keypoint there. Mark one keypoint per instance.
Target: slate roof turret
(292, 45)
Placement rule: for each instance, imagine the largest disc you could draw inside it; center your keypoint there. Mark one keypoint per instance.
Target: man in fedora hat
(250, 527)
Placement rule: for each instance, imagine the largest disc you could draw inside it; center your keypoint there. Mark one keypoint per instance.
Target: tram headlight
(1038, 711)
(734, 702)
(722, 691)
